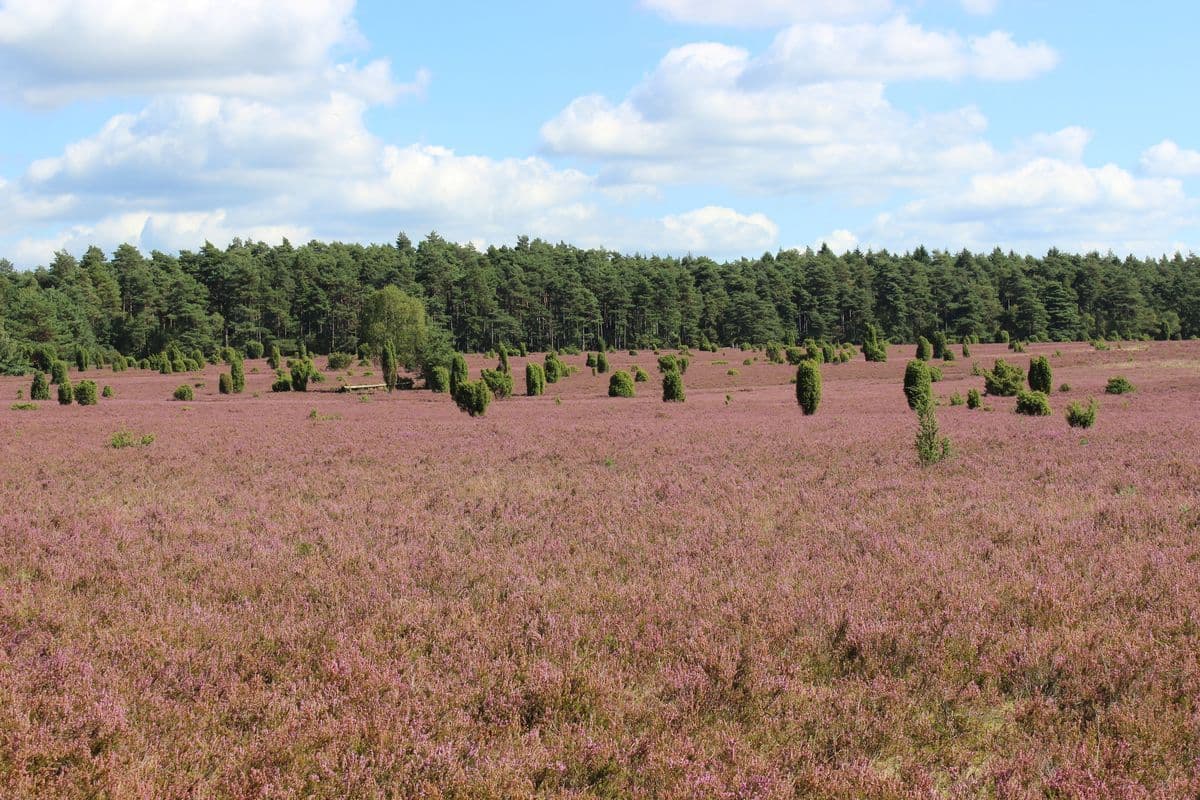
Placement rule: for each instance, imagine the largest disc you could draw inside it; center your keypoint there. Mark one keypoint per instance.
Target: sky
(655, 126)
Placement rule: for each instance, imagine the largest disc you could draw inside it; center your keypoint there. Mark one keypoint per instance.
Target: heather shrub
(85, 393)
(672, 387)
(225, 383)
(1004, 379)
(601, 362)
(107, 391)
(924, 349)
(254, 350)
(917, 389)
(40, 389)
(438, 380)
(276, 358)
(535, 379)
(1039, 375)
(184, 392)
(458, 371)
(1033, 404)
(808, 386)
(282, 382)
(956, 399)
(554, 368)
(237, 375)
(58, 372)
(620, 384)
(1118, 385)
(339, 361)
(500, 383)
(1080, 415)
(938, 343)
(640, 375)
(303, 370)
(931, 446)
(973, 399)
(472, 397)
(387, 365)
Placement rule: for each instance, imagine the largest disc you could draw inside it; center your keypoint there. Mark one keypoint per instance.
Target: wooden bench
(362, 387)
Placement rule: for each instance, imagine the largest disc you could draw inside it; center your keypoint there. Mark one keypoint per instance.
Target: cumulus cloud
(980, 7)
(764, 13)
(1168, 158)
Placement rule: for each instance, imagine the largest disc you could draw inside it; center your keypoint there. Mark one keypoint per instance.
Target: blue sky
(669, 126)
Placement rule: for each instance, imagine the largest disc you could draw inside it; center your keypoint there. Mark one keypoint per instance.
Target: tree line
(552, 296)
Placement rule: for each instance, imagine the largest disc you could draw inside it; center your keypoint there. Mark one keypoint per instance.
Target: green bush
(40, 389)
(283, 381)
(225, 383)
(503, 365)
(303, 370)
(276, 358)
(85, 393)
(924, 349)
(917, 389)
(672, 387)
(254, 350)
(438, 380)
(1118, 385)
(66, 394)
(813, 351)
(237, 375)
(500, 383)
(387, 365)
(535, 379)
(640, 375)
(620, 384)
(107, 391)
(473, 397)
(554, 368)
(1039, 375)
(775, 353)
(43, 356)
(58, 372)
(184, 392)
(1033, 404)
(956, 399)
(1081, 416)
(339, 361)
(795, 355)
(119, 364)
(1064, 387)
(808, 386)
(1004, 379)
(82, 359)
(973, 399)
(947, 355)
(668, 364)
(874, 347)
(939, 345)
(966, 350)
(931, 447)
(458, 372)
(601, 362)
(935, 374)
(590, 362)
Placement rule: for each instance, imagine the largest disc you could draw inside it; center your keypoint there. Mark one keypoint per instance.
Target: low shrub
(1080, 415)
(1039, 375)
(339, 361)
(535, 380)
(935, 374)
(620, 384)
(500, 383)
(917, 389)
(387, 364)
(668, 364)
(276, 358)
(1004, 379)
(956, 399)
(24, 407)
(66, 393)
(672, 387)
(1033, 404)
(439, 380)
(85, 393)
(601, 362)
(931, 446)
(254, 350)
(966, 349)
(458, 371)
(225, 383)
(1064, 387)
(303, 370)
(554, 368)
(1118, 385)
(40, 389)
(184, 392)
(58, 372)
(473, 397)
(237, 374)
(924, 349)
(808, 386)
(282, 382)
(938, 340)
(874, 348)
(123, 438)
(107, 391)
(973, 399)
(640, 375)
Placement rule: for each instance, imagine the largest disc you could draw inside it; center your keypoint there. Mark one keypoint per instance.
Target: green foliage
(775, 353)
(966, 350)
(956, 399)
(40, 389)
(1033, 404)
(924, 349)
(24, 407)
(303, 370)
(1064, 387)
(938, 340)
(795, 355)
(813, 352)
(535, 379)
(931, 446)
(58, 372)
(458, 372)
(874, 347)
(254, 349)
(184, 392)
(667, 364)
(808, 386)
(917, 385)
(438, 380)
(601, 362)
(503, 365)
(640, 375)
(935, 374)
(225, 383)
(1080, 415)
(1118, 385)
(473, 397)
(1040, 379)
(237, 374)
(1004, 379)
(42, 356)
(554, 368)
(82, 359)
(85, 393)
(66, 393)
(500, 383)
(590, 362)
(282, 382)
(387, 365)
(620, 384)
(276, 358)
(338, 361)
(973, 399)
(947, 355)
(122, 439)
(391, 316)
(672, 387)
(107, 391)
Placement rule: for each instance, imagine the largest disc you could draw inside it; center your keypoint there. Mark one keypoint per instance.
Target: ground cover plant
(603, 597)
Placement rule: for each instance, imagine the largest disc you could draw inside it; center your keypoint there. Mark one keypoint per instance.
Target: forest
(546, 296)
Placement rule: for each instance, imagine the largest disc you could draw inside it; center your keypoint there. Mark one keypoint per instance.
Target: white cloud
(764, 13)
(839, 241)
(715, 229)
(1169, 159)
(55, 51)
(980, 7)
